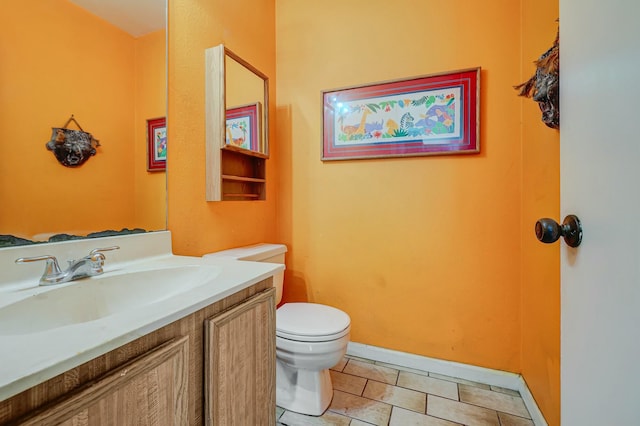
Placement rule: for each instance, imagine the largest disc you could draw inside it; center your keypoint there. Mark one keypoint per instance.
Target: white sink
(101, 296)
(45, 331)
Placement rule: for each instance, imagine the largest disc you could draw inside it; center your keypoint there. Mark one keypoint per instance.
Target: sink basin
(98, 297)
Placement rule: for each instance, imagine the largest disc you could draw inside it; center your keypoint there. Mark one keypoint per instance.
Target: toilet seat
(311, 322)
(321, 338)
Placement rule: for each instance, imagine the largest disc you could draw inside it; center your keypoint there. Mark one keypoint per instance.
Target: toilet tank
(270, 253)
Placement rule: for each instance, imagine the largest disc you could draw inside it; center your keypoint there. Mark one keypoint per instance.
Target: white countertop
(29, 359)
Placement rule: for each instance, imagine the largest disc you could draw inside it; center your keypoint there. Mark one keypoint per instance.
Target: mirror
(60, 59)
(246, 99)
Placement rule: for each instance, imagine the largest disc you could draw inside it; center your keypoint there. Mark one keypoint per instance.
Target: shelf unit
(243, 176)
(232, 174)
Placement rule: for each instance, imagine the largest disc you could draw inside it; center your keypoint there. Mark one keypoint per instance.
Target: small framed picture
(157, 144)
(243, 127)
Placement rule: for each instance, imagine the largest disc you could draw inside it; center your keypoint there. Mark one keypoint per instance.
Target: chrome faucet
(87, 266)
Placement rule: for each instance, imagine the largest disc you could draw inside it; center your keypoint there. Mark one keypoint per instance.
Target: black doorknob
(548, 230)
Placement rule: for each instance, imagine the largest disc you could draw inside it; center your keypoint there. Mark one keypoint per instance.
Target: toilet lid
(311, 322)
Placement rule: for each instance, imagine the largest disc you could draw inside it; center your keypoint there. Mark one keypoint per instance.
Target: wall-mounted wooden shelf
(232, 173)
(229, 196)
(243, 176)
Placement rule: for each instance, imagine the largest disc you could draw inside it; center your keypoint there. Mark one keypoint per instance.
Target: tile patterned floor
(369, 393)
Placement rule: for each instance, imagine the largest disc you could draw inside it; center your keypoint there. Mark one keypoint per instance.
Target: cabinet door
(240, 360)
(150, 390)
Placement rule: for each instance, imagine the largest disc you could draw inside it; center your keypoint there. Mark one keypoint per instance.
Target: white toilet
(310, 339)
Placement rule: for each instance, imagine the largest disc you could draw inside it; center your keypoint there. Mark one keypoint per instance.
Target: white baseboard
(530, 402)
(487, 376)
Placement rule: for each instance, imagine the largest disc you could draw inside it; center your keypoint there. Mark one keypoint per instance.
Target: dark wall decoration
(72, 148)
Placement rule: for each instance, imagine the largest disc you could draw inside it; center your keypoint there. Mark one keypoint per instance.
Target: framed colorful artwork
(157, 144)
(429, 115)
(243, 127)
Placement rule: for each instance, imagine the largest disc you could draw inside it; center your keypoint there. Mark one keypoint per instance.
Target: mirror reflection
(58, 60)
(246, 98)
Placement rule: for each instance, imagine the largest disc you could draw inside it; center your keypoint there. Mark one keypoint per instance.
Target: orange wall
(429, 255)
(58, 60)
(150, 189)
(423, 253)
(540, 198)
(247, 27)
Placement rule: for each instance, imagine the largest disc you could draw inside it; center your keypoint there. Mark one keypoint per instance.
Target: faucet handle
(100, 250)
(97, 258)
(51, 268)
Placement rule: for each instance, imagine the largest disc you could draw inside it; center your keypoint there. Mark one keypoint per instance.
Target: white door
(600, 179)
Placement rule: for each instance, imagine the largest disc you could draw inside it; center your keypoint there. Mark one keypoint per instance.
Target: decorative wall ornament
(544, 86)
(72, 148)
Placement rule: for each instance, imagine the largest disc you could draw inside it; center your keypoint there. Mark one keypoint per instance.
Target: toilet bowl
(310, 339)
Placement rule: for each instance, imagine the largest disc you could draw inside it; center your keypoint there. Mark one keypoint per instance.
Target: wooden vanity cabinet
(240, 364)
(216, 364)
(152, 389)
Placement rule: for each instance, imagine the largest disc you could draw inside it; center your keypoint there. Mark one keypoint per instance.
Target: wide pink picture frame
(436, 114)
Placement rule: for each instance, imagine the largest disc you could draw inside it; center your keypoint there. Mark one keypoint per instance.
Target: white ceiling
(137, 17)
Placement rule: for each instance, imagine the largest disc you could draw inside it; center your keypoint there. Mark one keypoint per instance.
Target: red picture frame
(435, 114)
(244, 122)
(157, 144)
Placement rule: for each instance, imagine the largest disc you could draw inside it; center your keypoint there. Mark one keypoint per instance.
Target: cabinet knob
(548, 230)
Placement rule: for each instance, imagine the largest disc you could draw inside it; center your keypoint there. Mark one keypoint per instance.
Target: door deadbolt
(548, 230)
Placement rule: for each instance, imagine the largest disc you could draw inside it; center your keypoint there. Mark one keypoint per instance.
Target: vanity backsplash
(132, 247)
